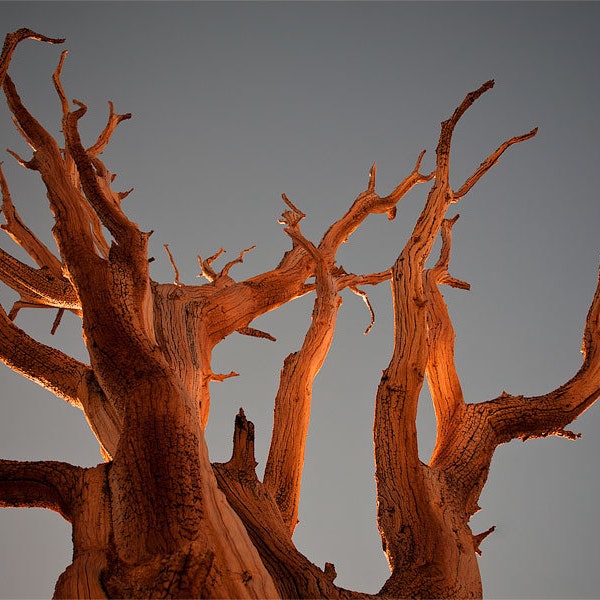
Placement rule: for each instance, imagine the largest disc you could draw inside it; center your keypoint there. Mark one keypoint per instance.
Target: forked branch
(401, 478)
(443, 380)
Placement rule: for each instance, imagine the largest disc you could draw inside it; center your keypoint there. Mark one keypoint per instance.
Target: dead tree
(156, 518)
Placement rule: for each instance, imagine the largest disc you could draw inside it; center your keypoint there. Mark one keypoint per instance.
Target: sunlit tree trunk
(156, 518)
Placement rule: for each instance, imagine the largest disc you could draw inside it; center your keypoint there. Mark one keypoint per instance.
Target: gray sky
(235, 103)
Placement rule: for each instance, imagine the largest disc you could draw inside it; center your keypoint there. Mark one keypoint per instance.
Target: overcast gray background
(235, 103)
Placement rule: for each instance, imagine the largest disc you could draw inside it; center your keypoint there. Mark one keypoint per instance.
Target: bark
(156, 519)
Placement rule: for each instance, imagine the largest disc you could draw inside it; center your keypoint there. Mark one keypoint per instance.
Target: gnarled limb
(414, 521)
(265, 292)
(38, 286)
(511, 417)
(64, 376)
(39, 484)
(283, 471)
(444, 384)
(49, 367)
(293, 574)
(72, 231)
(12, 40)
(465, 454)
(23, 236)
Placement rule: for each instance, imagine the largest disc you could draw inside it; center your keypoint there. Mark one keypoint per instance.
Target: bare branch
(64, 102)
(270, 290)
(256, 333)
(443, 380)
(401, 478)
(49, 367)
(72, 232)
(26, 164)
(38, 286)
(240, 259)
(41, 484)
(104, 137)
(95, 182)
(477, 539)
(513, 417)
(177, 281)
(283, 471)
(23, 236)
(489, 162)
(365, 298)
(206, 269)
(370, 203)
(13, 39)
(221, 376)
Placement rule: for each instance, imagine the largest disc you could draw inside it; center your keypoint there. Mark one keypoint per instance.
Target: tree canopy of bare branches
(156, 518)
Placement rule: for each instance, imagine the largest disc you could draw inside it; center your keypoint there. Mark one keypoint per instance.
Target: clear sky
(235, 103)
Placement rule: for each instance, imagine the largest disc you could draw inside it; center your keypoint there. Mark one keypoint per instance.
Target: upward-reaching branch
(409, 535)
(444, 384)
(283, 472)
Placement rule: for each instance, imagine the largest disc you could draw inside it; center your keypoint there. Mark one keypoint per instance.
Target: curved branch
(95, 181)
(370, 203)
(12, 40)
(48, 367)
(65, 377)
(72, 229)
(489, 162)
(38, 286)
(521, 417)
(41, 484)
(464, 454)
(443, 380)
(23, 236)
(104, 138)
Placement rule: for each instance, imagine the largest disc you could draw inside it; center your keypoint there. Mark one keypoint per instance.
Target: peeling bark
(156, 519)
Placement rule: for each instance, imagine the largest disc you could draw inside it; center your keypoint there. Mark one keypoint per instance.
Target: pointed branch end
(27, 164)
(221, 376)
(176, 281)
(372, 180)
(123, 195)
(291, 217)
(57, 320)
(250, 331)
(477, 539)
(366, 300)
(25, 33)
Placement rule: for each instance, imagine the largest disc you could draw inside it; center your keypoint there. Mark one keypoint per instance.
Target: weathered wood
(157, 519)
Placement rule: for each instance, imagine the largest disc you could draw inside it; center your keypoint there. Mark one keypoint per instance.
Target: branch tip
(372, 178)
(477, 539)
(250, 331)
(176, 281)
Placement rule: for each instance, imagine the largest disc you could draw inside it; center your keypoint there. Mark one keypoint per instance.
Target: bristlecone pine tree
(157, 519)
